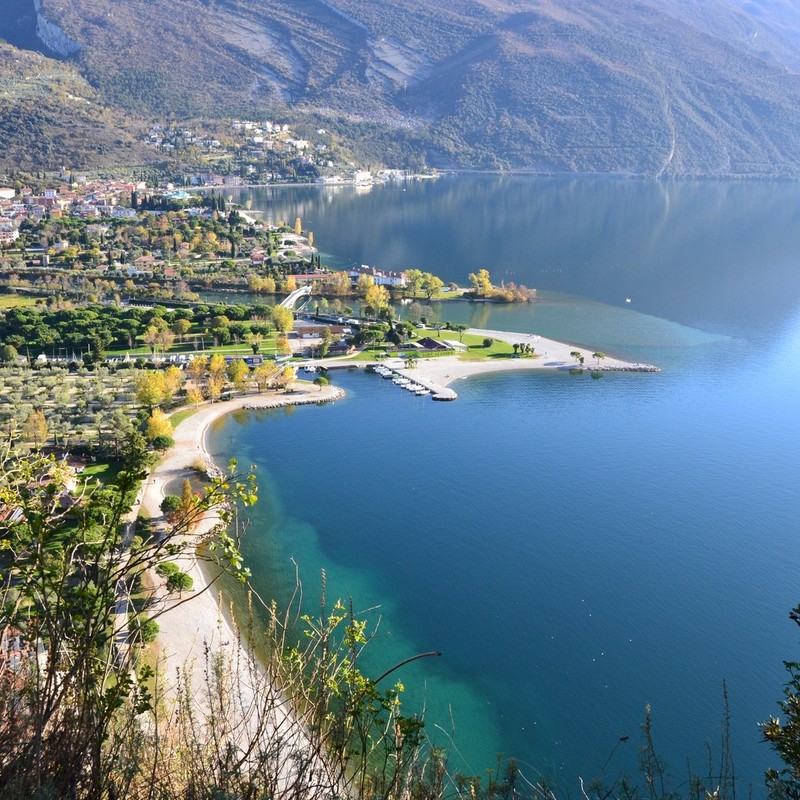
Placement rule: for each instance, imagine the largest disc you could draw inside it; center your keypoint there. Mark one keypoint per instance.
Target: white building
(8, 235)
(381, 277)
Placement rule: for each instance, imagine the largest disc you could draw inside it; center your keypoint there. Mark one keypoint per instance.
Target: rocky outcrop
(51, 35)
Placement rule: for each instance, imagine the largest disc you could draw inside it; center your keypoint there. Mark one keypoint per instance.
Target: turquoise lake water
(576, 548)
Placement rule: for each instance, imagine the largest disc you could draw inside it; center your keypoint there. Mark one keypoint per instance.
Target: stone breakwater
(335, 394)
(620, 368)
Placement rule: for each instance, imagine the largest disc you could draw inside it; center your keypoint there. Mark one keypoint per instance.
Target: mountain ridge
(682, 88)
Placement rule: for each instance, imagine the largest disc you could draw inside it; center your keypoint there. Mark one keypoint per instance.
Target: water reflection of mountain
(715, 255)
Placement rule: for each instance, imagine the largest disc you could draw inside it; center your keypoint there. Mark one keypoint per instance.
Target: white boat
(422, 391)
(401, 381)
(309, 368)
(412, 387)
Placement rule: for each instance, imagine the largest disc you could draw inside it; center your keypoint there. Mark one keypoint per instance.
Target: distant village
(94, 226)
(253, 152)
(76, 196)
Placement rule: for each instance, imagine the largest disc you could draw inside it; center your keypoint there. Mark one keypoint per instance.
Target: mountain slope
(49, 116)
(679, 87)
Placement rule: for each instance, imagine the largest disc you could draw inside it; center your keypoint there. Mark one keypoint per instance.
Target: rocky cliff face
(51, 35)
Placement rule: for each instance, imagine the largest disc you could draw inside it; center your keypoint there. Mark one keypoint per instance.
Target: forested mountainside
(674, 87)
(50, 115)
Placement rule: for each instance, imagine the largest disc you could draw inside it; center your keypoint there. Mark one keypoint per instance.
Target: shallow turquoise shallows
(576, 548)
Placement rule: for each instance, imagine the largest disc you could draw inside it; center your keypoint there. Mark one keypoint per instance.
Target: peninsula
(187, 630)
(438, 374)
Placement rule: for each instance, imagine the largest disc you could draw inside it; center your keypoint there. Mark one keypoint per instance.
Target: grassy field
(180, 416)
(101, 471)
(477, 352)
(17, 300)
(474, 344)
(228, 350)
(267, 347)
(377, 353)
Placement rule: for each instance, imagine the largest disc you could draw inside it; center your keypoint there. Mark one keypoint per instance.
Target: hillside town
(250, 152)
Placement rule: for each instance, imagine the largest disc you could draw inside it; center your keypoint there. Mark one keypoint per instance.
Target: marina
(417, 384)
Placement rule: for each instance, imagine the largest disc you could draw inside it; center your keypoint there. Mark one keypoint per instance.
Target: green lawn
(371, 354)
(16, 300)
(101, 471)
(476, 351)
(192, 344)
(180, 416)
(267, 348)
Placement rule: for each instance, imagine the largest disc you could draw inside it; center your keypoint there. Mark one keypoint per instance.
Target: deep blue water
(576, 548)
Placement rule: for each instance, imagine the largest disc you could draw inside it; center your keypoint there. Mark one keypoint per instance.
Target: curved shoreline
(437, 374)
(187, 630)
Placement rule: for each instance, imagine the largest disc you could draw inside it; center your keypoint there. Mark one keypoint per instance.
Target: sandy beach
(185, 629)
(191, 631)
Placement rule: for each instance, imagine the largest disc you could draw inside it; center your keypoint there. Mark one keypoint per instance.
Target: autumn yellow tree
(158, 424)
(194, 395)
(239, 373)
(151, 388)
(298, 226)
(283, 318)
(377, 298)
(287, 378)
(215, 385)
(217, 365)
(413, 281)
(481, 282)
(197, 368)
(283, 346)
(35, 429)
(173, 380)
(363, 282)
(188, 498)
(211, 241)
(431, 285)
(337, 283)
(262, 376)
